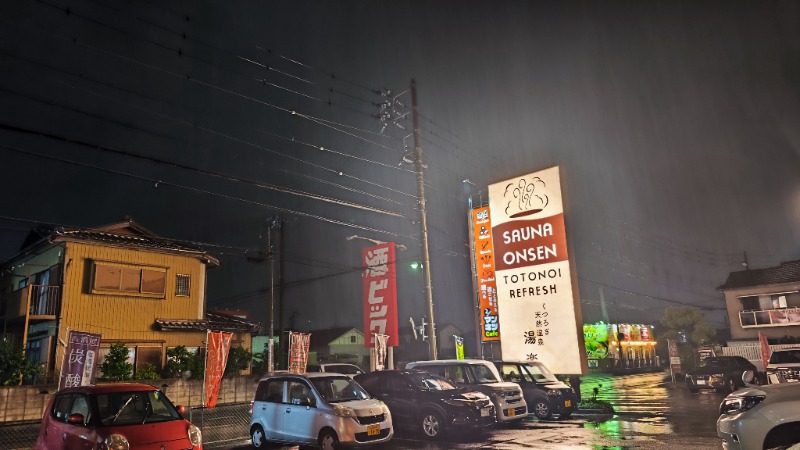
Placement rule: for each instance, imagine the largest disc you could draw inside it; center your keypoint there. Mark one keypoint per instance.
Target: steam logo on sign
(527, 197)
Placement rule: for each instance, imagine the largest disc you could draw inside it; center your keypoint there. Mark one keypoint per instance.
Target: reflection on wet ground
(648, 406)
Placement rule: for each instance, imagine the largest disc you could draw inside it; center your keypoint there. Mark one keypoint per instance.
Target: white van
(317, 409)
(482, 376)
(784, 366)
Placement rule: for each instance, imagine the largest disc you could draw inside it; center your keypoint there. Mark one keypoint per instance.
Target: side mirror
(180, 409)
(748, 376)
(75, 419)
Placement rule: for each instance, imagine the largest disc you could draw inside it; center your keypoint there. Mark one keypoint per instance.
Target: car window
(539, 372)
(483, 374)
(134, 407)
(339, 389)
(62, 407)
(270, 391)
(300, 393)
(512, 372)
(81, 406)
(785, 357)
(431, 382)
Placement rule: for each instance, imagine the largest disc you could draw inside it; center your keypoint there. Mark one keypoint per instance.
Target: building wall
(129, 318)
(734, 306)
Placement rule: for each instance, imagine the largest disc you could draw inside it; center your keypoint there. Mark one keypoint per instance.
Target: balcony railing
(44, 300)
(770, 317)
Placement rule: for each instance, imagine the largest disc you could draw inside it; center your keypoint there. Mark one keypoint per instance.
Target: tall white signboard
(538, 307)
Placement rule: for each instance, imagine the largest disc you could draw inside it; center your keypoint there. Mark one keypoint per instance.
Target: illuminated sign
(539, 311)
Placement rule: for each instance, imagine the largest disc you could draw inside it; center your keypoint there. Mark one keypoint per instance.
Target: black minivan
(428, 403)
(544, 393)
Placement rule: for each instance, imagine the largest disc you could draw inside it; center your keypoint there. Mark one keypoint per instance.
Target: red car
(115, 417)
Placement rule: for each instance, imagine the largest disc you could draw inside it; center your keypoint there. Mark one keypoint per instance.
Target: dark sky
(675, 125)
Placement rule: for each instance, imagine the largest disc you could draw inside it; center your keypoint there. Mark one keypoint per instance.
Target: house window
(128, 279)
(182, 283)
(353, 339)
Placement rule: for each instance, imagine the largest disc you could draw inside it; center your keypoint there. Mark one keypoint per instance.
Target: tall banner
(380, 351)
(80, 356)
(380, 293)
(298, 351)
(459, 341)
(538, 305)
(765, 351)
(484, 271)
(218, 345)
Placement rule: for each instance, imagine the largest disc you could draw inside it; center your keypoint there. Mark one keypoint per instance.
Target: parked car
(482, 376)
(718, 373)
(784, 366)
(544, 393)
(760, 417)
(427, 402)
(350, 370)
(317, 409)
(122, 416)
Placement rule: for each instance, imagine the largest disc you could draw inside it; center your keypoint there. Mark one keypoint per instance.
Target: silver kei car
(760, 417)
(317, 409)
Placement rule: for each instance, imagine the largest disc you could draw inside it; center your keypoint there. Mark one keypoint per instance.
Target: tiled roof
(128, 234)
(214, 321)
(788, 272)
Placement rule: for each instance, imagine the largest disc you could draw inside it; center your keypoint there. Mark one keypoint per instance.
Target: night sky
(675, 125)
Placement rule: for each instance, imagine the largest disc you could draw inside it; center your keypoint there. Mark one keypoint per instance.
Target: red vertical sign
(380, 293)
(765, 351)
(299, 344)
(218, 346)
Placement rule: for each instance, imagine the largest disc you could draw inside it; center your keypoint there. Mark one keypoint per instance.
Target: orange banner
(484, 271)
(218, 346)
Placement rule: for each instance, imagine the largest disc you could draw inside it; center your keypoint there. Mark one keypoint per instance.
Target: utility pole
(272, 223)
(423, 219)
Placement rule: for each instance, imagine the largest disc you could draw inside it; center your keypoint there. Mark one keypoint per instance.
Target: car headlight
(343, 411)
(116, 442)
(735, 405)
(553, 392)
(195, 436)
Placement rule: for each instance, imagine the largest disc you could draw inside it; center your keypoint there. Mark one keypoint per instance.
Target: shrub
(14, 366)
(238, 360)
(147, 372)
(116, 365)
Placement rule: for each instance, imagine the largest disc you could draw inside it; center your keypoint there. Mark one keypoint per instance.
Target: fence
(752, 352)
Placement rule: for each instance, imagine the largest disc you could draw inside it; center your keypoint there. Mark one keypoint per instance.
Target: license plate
(484, 412)
(567, 403)
(701, 381)
(373, 430)
(511, 412)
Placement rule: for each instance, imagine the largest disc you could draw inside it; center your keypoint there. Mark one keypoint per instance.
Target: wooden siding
(130, 319)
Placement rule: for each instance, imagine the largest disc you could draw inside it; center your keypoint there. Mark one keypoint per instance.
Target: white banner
(381, 341)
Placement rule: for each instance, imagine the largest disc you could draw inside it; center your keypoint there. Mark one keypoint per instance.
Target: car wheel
(257, 436)
(541, 408)
(431, 424)
(328, 440)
